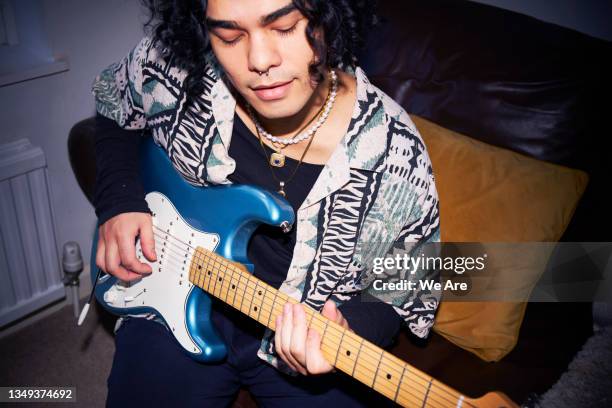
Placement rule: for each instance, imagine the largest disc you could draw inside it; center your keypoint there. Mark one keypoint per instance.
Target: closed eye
(287, 31)
(233, 41)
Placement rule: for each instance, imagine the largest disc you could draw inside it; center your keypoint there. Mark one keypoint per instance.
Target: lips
(273, 92)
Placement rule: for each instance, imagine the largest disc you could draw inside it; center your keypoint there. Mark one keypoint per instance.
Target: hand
(300, 346)
(116, 251)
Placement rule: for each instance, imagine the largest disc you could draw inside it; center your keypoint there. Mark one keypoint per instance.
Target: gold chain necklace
(282, 183)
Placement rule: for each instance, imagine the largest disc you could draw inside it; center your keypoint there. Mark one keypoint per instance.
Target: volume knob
(110, 297)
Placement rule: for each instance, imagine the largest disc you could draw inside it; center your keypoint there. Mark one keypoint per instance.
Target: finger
(330, 311)
(147, 240)
(286, 336)
(127, 255)
(298, 336)
(113, 264)
(100, 253)
(315, 361)
(342, 321)
(278, 341)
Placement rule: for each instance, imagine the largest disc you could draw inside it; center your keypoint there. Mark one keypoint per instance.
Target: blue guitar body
(220, 218)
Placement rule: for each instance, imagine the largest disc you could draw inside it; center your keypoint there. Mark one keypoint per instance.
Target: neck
(288, 126)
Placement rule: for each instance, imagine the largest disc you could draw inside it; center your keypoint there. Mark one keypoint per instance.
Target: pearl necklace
(303, 136)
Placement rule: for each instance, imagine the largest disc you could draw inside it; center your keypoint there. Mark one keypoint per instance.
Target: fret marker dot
(255, 308)
(220, 279)
(348, 352)
(388, 376)
(233, 286)
(259, 293)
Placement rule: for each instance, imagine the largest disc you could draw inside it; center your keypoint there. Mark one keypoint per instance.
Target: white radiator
(30, 275)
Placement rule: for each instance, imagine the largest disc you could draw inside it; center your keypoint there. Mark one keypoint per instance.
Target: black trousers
(149, 369)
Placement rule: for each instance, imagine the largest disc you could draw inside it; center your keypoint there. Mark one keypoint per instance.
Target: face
(251, 36)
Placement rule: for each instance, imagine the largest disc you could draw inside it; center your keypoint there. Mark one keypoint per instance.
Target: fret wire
(399, 385)
(247, 303)
(357, 358)
(199, 277)
(338, 352)
(426, 393)
(219, 278)
(238, 277)
(240, 285)
(204, 262)
(252, 298)
(377, 368)
(193, 270)
(229, 278)
(262, 297)
(225, 279)
(253, 306)
(311, 317)
(209, 273)
(212, 275)
(244, 302)
(273, 307)
(243, 294)
(203, 271)
(326, 325)
(214, 278)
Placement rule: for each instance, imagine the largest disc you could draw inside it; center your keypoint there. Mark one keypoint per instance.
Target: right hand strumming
(116, 251)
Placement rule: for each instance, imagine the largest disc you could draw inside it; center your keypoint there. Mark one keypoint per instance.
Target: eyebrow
(265, 20)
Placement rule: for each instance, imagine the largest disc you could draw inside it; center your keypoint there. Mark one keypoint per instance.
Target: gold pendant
(277, 159)
(282, 188)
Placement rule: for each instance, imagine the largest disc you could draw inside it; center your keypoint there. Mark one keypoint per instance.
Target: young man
(265, 93)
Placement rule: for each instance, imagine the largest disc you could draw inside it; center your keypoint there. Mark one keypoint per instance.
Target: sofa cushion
(491, 195)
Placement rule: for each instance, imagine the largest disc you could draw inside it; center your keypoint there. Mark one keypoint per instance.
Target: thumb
(147, 241)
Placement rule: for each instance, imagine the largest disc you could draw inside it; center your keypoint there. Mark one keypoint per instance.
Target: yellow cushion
(489, 194)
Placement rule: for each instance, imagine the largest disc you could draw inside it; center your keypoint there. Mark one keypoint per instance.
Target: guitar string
(249, 285)
(389, 387)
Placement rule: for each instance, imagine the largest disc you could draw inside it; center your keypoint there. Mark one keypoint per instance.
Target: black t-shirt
(270, 249)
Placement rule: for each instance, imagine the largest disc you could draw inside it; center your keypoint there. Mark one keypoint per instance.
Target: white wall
(92, 34)
(591, 17)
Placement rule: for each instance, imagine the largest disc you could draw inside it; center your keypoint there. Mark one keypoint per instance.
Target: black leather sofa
(511, 81)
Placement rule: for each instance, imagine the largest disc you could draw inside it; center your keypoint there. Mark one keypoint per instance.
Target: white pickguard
(168, 287)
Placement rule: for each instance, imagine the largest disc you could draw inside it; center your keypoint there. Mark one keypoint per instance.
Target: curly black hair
(179, 26)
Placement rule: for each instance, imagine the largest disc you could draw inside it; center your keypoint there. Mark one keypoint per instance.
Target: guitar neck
(348, 352)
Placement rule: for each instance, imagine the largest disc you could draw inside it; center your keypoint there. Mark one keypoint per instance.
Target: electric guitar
(201, 236)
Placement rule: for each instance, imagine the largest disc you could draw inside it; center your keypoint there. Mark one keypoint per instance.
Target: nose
(263, 54)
